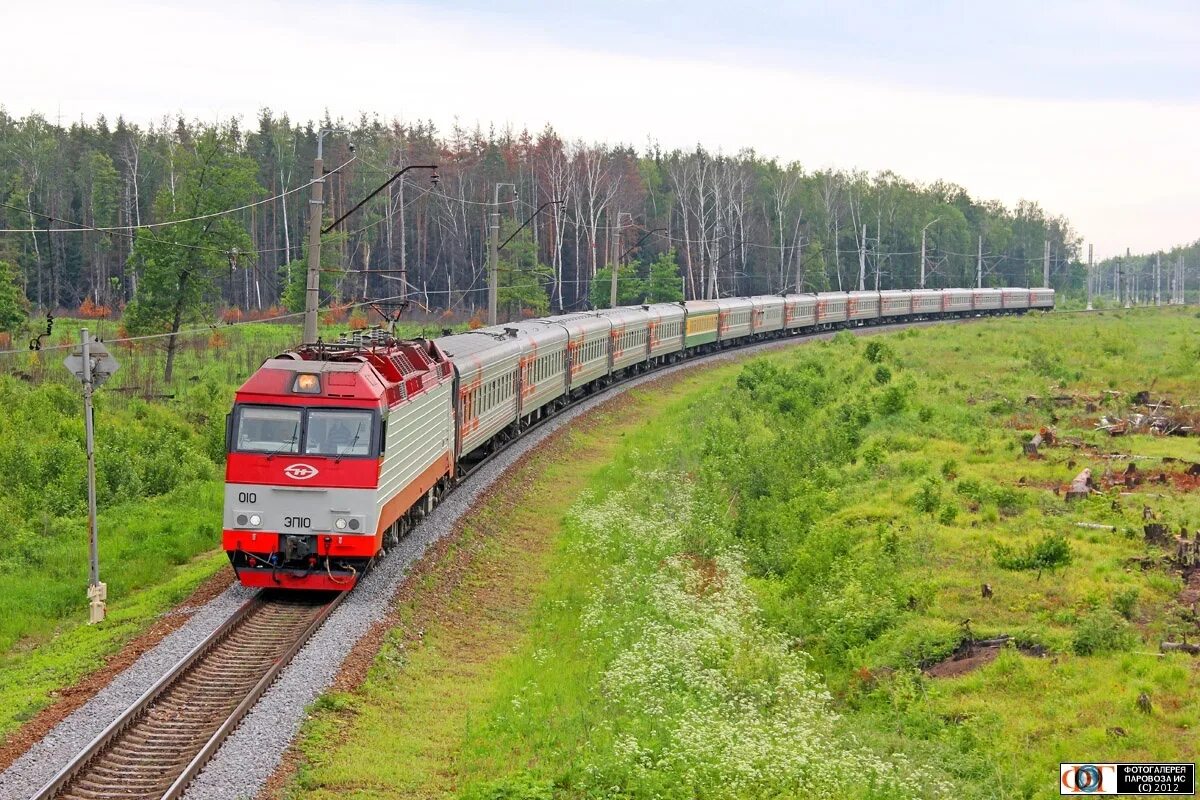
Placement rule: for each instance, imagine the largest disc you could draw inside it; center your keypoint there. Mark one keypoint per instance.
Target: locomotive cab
(311, 485)
(304, 500)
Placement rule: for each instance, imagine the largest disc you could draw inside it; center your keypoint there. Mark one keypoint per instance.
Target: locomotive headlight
(255, 520)
(340, 524)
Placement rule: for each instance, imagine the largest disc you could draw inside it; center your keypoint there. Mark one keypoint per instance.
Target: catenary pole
(1046, 265)
(1125, 287)
(615, 258)
(1089, 276)
(862, 260)
(316, 205)
(979, 263)
(1158, 279)
(96, 590)
(493, 257)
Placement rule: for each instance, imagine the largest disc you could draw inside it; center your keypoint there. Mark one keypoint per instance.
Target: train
(335, 450)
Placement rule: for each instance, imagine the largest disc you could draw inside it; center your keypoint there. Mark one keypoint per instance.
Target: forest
(104, 214)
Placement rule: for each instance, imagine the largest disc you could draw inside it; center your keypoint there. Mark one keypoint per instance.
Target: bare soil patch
(963, 662)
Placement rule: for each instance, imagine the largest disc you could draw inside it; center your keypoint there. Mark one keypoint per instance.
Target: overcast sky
(1090, 108)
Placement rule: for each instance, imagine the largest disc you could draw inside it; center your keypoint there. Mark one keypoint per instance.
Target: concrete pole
(979, 265)
(1046, 266)
(493, 258)
(615, 259)
(1089, 276)
(316, 205)
(862, 261)
(97, 592)
(1126, 285)
(923, 256)
(1158, 279)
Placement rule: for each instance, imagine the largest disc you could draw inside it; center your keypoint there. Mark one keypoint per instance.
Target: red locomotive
(332, 451)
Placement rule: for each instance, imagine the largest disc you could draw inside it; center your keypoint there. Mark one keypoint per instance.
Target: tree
(521, 280)
(180, 264)
(630, 288)
(664, 283)
(14, 308)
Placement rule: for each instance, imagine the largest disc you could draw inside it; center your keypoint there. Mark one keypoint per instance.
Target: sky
(1091, 108)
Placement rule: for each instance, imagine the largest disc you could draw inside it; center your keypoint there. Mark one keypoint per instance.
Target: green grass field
(733, 588)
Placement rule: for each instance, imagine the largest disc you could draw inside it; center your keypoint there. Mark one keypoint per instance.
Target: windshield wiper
(286, 446)
(353, 442)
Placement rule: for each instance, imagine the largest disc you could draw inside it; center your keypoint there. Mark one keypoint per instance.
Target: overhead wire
(167, 223)
(210, 327)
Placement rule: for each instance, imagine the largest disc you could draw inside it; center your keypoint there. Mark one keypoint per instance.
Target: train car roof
(625, 314)
(664, 309)
(579, 322)
(494, 342)
(767, 299)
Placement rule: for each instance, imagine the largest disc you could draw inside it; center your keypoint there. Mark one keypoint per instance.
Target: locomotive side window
(338, 433)
(268, 430)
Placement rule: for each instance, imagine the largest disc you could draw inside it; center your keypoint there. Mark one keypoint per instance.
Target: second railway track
(163, 740)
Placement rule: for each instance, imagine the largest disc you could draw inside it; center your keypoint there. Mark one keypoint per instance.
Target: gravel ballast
(248, 757)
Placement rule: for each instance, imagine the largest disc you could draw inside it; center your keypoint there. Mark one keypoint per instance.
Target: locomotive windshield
(278, 430)
(338, 433)
(269, 430)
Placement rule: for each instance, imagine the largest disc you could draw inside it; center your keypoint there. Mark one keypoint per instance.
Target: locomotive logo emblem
(300, 472)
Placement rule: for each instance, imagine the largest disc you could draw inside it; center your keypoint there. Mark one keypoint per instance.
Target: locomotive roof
(387, 372)
(344, 380)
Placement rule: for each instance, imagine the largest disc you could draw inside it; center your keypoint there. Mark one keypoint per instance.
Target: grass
(838, 523)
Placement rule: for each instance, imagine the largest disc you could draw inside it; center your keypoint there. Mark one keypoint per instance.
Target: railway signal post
(92, 365)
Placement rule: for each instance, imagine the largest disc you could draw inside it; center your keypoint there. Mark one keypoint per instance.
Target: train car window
(268, 430)
(338, 433)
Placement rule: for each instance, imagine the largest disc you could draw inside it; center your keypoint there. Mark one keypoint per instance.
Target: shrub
(892, 401)
(882, 375)
(929, 497)
(1048, 553)
(1125, 601)
(1102, 631)
(877, 352)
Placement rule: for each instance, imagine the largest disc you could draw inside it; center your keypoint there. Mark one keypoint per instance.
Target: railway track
(163, 740)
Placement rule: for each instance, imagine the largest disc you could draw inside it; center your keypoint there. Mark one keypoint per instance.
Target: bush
(1048, 553)
(877, 352)
(1102, 631)
(1125, 601)
(929, 497)
(882, 375)
(892, 401)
